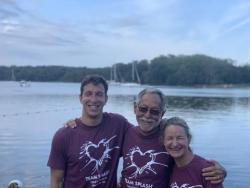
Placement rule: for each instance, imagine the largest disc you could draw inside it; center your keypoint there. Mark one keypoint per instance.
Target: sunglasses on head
(155, 112)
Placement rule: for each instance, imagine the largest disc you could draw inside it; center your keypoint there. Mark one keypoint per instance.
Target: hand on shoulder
(70, 124)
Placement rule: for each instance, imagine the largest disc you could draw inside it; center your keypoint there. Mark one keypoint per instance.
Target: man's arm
(56, 178)
(215, 173)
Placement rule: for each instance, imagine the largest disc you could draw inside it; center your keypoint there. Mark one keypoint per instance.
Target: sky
(99, 33)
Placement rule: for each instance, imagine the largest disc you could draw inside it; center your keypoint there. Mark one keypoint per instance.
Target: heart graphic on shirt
(96, 154)
(141, 159)
(97, 151)
(139, 162)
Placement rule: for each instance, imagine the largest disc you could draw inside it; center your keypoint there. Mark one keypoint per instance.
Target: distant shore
(129, 84)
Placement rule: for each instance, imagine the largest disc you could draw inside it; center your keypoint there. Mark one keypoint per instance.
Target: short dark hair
(94, 79)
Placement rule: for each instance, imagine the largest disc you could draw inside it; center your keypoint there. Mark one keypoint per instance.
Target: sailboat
(13, 77)
(135, 77)
(22, 83)
(114, 76)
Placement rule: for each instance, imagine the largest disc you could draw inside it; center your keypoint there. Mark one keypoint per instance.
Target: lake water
(219, 119)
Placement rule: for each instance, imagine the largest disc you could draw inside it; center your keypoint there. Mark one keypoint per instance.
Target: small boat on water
(114, 83)
(24, 83)
(130, 84)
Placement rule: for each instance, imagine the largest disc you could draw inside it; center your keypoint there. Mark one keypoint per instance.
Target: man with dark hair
(88, 155)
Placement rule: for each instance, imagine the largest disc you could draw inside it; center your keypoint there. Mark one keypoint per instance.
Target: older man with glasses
(146, 163)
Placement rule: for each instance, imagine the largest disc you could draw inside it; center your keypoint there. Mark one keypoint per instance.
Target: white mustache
(147, 120)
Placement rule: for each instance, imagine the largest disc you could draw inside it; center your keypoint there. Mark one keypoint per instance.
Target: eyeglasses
(155, 112)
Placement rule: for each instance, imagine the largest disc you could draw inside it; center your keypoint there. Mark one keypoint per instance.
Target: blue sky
(99, 33)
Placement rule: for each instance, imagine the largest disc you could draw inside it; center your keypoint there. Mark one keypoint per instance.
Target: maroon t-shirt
(146, 162)
(88, 155)
(190, 176)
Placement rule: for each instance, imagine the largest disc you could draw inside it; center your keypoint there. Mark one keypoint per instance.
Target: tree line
(181, 70)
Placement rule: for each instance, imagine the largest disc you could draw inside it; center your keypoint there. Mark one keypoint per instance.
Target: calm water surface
(29, 116)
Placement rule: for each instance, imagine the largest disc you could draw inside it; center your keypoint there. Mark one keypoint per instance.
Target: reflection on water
(219, 120)
(205, 103)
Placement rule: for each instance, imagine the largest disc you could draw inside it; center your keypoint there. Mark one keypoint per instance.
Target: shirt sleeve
(207, 183)
(57, 157)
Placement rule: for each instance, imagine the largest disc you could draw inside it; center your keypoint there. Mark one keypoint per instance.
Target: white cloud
(8, 25)
(237, 16)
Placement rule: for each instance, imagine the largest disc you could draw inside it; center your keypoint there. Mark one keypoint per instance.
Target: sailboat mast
(115, 73)
(137, 74)
(13, 77)
(133, 72)
(111, 73)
